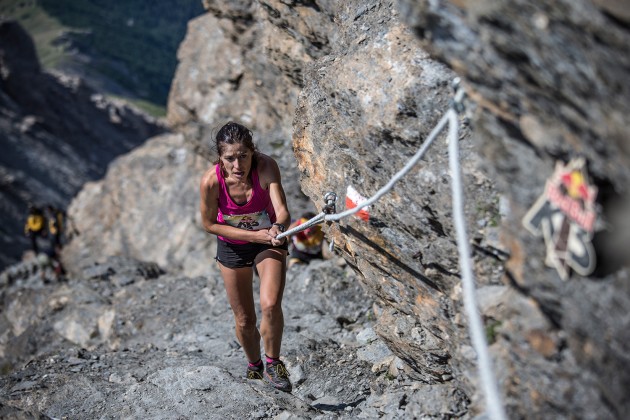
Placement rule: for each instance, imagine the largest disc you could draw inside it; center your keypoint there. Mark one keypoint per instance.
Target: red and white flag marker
(354, 199)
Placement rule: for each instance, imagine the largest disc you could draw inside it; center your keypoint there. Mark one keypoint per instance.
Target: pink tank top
(256, 214)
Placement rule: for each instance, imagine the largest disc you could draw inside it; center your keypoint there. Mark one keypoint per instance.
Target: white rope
(476, 331)
(311, 222)
(475, 325)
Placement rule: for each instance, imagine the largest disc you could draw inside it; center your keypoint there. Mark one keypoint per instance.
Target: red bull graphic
(251, 221)
(565, 215)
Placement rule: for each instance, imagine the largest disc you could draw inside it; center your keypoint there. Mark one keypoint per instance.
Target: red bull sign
(565, 216)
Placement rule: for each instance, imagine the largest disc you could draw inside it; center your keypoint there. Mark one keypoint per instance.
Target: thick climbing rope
(311, 222)
(475, 325)
(492, 396)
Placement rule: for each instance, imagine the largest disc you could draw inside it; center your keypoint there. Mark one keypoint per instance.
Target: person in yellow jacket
(35, 226)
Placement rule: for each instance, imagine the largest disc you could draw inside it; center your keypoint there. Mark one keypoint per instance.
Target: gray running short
(239, 256)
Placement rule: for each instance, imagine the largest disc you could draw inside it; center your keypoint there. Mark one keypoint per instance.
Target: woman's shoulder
(268, 171)
(265, 163)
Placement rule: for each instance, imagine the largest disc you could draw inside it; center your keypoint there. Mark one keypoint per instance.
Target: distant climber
(306, 245)
(35, 226)
(243, 203)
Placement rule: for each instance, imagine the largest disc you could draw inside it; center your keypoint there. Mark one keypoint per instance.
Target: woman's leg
(271, 265)
(238, 286)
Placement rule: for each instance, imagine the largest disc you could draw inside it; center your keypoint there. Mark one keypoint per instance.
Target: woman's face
(237, 161)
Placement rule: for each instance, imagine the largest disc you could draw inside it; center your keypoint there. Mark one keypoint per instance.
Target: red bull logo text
(565, 216)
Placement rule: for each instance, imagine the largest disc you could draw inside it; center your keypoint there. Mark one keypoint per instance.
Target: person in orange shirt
(306, 245)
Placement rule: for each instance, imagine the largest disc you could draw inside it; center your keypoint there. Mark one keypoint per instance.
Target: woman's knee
(270, 307)
(245, 322)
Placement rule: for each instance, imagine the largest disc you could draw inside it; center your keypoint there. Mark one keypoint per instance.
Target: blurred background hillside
(83, 81)
(123, 49)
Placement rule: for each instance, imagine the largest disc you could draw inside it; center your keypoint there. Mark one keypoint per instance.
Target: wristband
(281, 227)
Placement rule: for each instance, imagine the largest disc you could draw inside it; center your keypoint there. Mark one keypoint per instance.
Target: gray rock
(366, 336)
(374, 352)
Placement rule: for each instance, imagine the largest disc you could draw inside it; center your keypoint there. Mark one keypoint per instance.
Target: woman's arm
(209, 207)
(269, 173)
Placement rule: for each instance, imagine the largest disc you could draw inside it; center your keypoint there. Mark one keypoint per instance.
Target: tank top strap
(217, 169)
(256, 181)
(220, 178)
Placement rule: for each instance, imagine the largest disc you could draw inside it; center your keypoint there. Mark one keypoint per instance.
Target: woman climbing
(243, 203)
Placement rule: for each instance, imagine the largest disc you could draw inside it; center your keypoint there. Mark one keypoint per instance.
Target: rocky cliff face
(55, 135)
(549, 82)
(358, 85)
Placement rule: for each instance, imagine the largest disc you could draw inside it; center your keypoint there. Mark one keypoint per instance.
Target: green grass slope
(125, 49)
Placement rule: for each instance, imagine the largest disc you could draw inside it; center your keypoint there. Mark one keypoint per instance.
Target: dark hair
(234, 133)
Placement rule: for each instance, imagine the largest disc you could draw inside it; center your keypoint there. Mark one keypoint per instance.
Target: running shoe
(255, 372)
(278, 376)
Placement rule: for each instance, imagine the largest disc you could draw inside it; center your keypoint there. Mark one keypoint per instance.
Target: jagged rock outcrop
(377, 117)
(55, 135)
(146, 208)
(355, 128)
